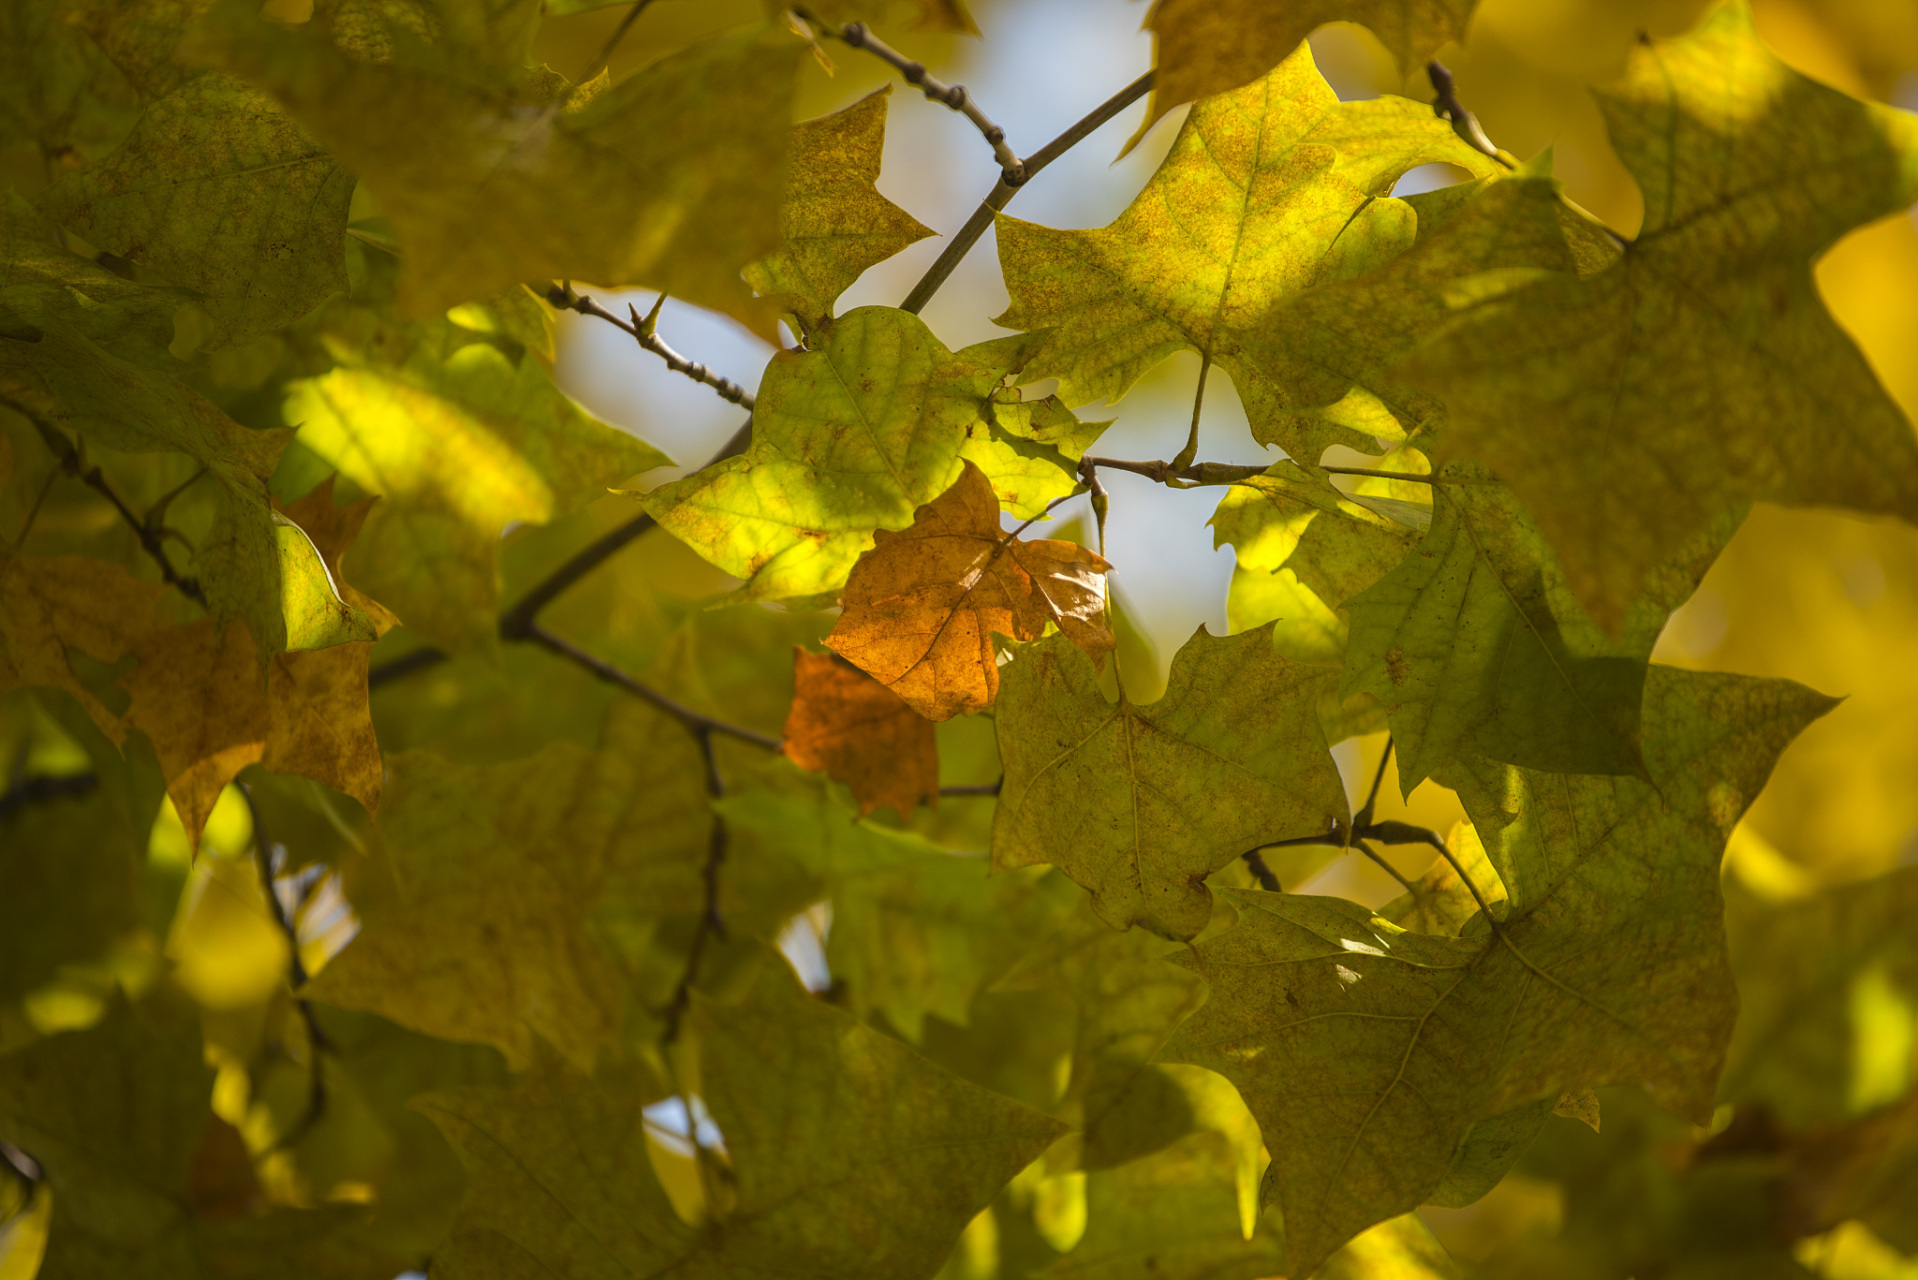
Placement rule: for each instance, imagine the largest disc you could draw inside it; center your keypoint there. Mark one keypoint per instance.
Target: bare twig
(693, 720)
(644, 330)
(711, 923)
(1447, 107)
(265, 854)
(1170, 473)
(152, 534)
(1001, 195)
(1012, 170)
(29, 791)
(1183, 458)
(605, 56)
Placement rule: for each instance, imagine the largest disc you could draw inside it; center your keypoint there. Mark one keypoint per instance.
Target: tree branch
(1446, 106)
(711, 924)
(1262, 873)
(36, 790)
(1001, 195)
(644, 331)
(1012, 170)
(694, 721)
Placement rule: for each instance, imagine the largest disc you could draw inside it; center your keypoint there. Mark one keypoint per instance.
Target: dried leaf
(848, 725)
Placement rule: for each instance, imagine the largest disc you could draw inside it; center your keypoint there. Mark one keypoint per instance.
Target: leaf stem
(1183, 458)
(1001, 195)
(1446, 106)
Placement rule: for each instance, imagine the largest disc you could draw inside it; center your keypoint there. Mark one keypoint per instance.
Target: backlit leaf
(1340, 1029)
(921, 608)
(849, 437)
(1702, 369)
(1256, 201)
(833, 221)
(1140, 804)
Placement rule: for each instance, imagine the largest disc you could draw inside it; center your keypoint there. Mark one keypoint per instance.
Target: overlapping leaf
(56, 603)
(921, 608)
(1202, 49)
(479, 923)
(833, 221)
(849, 1154)
(848, 437)
(1141, 804)
(458, 448)
(1367, 1053)
(219, 190)
(1475, 644)
(1701, 370)
(671, 179)
(1267, 192)
(848, 725)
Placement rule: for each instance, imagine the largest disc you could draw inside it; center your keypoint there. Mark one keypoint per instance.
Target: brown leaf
(49, 604)
(921, 606)
(858, 731)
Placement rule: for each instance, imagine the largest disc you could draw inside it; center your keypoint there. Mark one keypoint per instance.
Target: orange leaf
(921, 606)
(856, 730)
(49, 604)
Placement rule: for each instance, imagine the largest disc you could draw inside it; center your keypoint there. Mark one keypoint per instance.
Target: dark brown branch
(693, 720)
(1446, 106)
(1170, 473)
(1001, 195)
(151, 533)
(644, 330)
(711, 923)
(296, 975)
(1012, 170)
(1261, 872)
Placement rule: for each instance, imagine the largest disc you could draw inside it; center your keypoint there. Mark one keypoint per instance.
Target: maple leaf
(848, 437)
(833, 221)
(857, 731)
(219, 190)
(1203, 48)
(920, 609)
(1701, 370)
(460, 447)
(690, 152)
(146, 1179)
(850, 1156)
(1141, 804)
(480, 918)
(1609, 967)
(1257, 200)
(1474, 644)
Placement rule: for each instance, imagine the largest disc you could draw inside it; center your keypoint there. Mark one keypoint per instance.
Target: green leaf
(849, 1155)
(146, 1181)
(1201, 49)
(1256, 201)
(480, 919)
(1702, 369)
(1475, 644)
(916, 930)
(57, 90)
(458, 449)
(1490, 1149)
(1140, 804)
(41, 282)
(851, 436)
(669, 179)
(1368, 1053)
(833, 221)
(219, 190)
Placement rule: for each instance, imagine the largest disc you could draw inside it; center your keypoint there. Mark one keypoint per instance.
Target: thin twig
(1012, 170)
(1261, 872)
(711, 923)
(1390, 870)
(644, 331)
(605, 56)
(1364, 816)
(1405, 833)
(1183, 458)
(693, 720)
(1169, 473)
(1002, 192)
(1446, 106)
(263, 860)
(152, 535)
